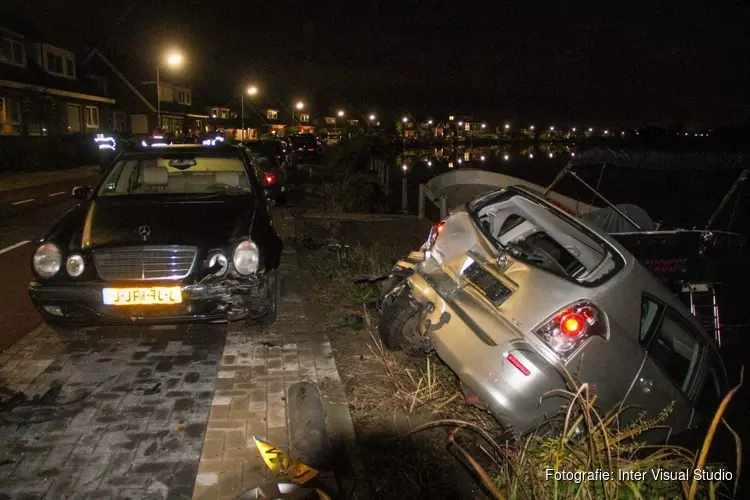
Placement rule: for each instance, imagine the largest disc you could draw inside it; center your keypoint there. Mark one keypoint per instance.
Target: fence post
(421, 201)
(443, 206)
(404, 200)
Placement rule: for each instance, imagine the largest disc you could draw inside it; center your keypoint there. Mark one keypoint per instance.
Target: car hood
(106, 222)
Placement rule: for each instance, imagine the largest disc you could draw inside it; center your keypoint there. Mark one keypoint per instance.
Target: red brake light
(435, 232)
(270, 178)
(572, 326)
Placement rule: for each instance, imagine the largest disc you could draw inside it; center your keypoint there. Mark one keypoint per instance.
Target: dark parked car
(170, 234)
(306, 152)
(273, 149)
(273, 178)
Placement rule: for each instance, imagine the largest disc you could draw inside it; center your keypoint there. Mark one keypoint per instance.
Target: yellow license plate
(142, 296)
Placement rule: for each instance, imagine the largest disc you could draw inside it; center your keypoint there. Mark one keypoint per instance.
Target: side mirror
(82, 192)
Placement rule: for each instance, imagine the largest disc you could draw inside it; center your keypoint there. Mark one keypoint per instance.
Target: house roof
(32, 77)
(136, 78)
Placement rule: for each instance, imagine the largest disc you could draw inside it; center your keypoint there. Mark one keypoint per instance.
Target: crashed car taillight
(571, 327)
(434, 233)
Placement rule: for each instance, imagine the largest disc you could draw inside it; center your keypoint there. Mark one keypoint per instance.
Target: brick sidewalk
(255, 373)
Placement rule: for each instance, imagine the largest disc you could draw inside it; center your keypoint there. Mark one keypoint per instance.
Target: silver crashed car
(515, 295)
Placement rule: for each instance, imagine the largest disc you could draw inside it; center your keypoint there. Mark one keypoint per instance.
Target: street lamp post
(371, 118)
(250, 91)
(340, 114)
(172, 60)
(300, 105)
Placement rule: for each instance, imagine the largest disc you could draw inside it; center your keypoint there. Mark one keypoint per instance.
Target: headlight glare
(246, 257)
(47, 260)
(75, 265)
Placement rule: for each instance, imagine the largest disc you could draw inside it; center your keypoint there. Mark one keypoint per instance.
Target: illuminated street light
(429, 163)
(573, 129)
(606, 132)
(591, 129)
(532, 127)
(552, 127)
(251, 91)
(506, 157)
(531, 155)
(300, 105)
(372, 117)
(174, 59)
(429, 122)
(484, 125)
(551, 155)
(460, 124)
(460, 161)
(482, 158)
(340, 113)
(507, 126)
(404, 167)
(404, 119)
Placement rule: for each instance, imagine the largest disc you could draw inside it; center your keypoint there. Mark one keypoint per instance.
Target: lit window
(272, 114)
(74, 118)
(12, 52)
(330, 120)
(304, 118)
(451, 118)
(10, 116)
(92, 117)
(467, 126)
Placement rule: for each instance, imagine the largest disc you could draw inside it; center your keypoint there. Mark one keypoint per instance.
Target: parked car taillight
(270, 179)
(571, 327)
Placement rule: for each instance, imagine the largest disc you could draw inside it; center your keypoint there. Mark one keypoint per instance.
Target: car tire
(399, 324)
(272, 289)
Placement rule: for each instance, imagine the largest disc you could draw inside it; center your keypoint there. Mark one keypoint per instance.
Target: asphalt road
(25, 214)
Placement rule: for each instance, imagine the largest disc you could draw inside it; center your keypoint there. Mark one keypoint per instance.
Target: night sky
(556, 62)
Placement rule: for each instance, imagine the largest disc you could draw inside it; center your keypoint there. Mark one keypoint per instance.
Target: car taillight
(435, 232)
(571, 327)
(270, 178)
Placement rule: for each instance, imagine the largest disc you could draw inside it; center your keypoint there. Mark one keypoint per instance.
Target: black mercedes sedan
(172, 234)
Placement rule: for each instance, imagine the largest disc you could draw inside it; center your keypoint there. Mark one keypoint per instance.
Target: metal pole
(158, 98)
(443, 206)
(242, 105)
(420, 209)
(404, 201)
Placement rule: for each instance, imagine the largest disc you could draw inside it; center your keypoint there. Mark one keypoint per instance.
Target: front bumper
(514, 398)
(81, 304)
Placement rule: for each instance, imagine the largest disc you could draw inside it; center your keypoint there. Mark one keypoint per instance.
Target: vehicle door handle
(646, 384)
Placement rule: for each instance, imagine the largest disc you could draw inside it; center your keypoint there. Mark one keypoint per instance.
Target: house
(139, 106)
(43, 90)
(272, 123)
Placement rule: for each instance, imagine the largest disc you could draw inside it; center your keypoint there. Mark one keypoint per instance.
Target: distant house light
(506, 157)
(451, 118)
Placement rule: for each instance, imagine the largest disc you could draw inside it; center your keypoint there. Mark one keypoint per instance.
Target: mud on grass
(390, 393)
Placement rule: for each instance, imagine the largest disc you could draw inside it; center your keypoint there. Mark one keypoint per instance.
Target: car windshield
(177, 175)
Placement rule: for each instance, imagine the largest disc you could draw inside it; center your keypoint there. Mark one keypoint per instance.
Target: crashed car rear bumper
(513, 396)
(81, 305)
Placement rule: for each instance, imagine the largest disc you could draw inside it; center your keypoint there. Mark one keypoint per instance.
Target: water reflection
(488, 158)
(536, 163)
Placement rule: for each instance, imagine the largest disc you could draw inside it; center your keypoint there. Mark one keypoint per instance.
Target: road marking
(23, 201)
(56, 194)
(8, 249)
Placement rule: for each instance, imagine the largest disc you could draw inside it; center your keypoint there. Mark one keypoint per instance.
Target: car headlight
(220, 260)
(75, 265)
(47, 260)
(246, 257)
